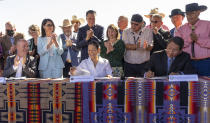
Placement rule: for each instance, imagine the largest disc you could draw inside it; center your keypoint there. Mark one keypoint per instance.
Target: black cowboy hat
(176, 12)
(195, 7)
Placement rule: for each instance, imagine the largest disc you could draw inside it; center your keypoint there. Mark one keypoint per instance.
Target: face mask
(10, 32)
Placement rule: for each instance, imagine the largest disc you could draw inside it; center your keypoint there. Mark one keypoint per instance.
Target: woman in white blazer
(50, 50)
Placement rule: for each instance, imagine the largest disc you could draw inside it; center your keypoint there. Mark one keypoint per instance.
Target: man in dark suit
(160, 36)
(21, 64)
(91, 31)
(170, 61)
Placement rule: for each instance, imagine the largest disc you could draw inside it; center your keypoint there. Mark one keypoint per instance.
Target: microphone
(193, 43)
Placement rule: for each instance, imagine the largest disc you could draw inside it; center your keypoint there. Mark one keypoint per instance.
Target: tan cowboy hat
(75, 19)
(66, 23)
(154, 11)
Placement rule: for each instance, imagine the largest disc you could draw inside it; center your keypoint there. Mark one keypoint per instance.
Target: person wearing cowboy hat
(152, 12)
(160, 36)
(70, 53)
(77, 22)
(196, 35)
(177, 17)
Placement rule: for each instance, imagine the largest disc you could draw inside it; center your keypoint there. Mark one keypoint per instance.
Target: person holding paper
(170, 61)
(21, 64)
(95, 65)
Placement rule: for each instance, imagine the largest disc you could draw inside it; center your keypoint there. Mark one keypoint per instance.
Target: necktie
(170, 60)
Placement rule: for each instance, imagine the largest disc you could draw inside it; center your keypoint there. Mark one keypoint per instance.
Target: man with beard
(70, 53)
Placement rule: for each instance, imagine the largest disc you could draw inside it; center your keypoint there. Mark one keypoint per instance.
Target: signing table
(105, 100)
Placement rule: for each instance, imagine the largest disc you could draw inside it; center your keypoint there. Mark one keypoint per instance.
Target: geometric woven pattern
(105, 101)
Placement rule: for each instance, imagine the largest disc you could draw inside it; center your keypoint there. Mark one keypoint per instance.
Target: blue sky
(23, 13)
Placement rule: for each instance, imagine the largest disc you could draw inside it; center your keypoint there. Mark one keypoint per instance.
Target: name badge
(74, 79)
(193, 77)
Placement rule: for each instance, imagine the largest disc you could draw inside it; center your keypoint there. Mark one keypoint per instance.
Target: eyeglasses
(155, 21)
(135, 24)
(49, 25)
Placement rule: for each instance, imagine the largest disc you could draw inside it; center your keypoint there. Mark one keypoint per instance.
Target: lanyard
(134, 38)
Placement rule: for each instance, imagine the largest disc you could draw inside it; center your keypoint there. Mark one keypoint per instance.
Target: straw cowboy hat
(75, 19)
(66, 23)
(154, 11)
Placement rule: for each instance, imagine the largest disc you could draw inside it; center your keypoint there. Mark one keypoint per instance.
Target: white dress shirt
(18, 68)
(102, 68)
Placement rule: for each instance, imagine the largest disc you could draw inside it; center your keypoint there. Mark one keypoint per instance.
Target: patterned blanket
(105, 101)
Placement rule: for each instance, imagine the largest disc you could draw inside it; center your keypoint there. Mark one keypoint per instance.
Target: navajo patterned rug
(105, 101)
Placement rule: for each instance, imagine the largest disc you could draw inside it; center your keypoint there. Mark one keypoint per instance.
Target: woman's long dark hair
(43, 23)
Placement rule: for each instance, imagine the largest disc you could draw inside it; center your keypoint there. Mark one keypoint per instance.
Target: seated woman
(113, 49)
(170, 61)
(94, 65)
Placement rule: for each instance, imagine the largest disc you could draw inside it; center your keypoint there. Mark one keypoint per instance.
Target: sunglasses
(135, 24)
(49, 25)
(155, 21)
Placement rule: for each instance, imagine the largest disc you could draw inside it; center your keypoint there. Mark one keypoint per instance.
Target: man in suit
(177, 16)
(89, 32)
(21, 64)
(170, 61)
(70, 53)
(8, 41)
(122, 24)
(160, 36)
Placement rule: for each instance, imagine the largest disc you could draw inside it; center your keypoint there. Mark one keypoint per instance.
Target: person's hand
(109, 47)
(31, 53)
(194, 37)
(12, 49)
(155, 30)
(109, 76)
(24, 60)
(54, 37)
(69, 43)
(89, 34)
(72, 70)
(16, 61)
(150, 74)
(173, 73)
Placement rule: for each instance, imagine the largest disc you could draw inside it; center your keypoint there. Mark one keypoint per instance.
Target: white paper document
(2, 80)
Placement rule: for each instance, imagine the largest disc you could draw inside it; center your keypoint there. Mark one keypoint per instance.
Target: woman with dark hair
(113, 49)
(94, 65)
(50, 50)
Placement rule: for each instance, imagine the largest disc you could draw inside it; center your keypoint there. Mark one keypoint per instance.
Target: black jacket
(81, 41)
(158, 64)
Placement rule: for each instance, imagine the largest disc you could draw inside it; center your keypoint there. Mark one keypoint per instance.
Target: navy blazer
(158, 64)
(81, 41)
(73, 51)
